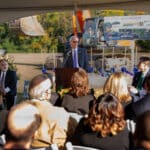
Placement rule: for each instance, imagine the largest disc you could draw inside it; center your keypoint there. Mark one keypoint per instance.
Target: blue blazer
(82, 59)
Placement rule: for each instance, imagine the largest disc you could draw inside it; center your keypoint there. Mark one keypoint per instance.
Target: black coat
(142, 105)
(11, 82)
(84, 136)
(137, 77)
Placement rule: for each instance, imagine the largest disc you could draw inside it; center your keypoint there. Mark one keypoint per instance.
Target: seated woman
(56, 124)
(105, 127)
(117, 85)
(79, 97)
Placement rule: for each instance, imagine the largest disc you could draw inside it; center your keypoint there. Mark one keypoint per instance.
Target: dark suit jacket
(78, 105)
(142, 105)
(11, 82)
(137, 77)
(82, 59)
(84, 136)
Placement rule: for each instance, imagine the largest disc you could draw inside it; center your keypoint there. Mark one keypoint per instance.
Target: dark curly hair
(79, 83)
(106, 116)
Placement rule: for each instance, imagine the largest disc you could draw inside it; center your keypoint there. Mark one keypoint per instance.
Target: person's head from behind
(22, 122)
(106, 116)
(144, 64)
(117, 85)
(79, 83)
(74, 40)
(142, 131)
(4, 65)
(40, 87)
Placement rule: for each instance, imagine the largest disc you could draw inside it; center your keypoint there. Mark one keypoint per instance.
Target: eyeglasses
(48, 91)
(75, 41)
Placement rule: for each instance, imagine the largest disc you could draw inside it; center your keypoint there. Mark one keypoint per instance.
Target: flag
(74, 24)
(81, 16)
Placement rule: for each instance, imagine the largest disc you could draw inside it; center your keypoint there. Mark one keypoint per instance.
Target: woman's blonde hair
(117, 85)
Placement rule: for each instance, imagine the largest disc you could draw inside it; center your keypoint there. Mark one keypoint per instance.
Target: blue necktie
(75, 60)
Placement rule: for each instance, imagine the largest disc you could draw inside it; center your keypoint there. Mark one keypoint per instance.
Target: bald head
(22, 122)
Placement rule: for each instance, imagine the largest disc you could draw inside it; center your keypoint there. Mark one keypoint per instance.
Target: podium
(63, 77)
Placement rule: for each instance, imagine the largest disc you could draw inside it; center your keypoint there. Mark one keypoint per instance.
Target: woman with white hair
(56, 121)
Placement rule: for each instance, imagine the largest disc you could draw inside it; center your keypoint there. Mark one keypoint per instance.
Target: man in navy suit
(138, 83)
(76, 57)
(8, 83)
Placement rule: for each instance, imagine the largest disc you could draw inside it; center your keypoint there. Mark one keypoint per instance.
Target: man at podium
(76, 57)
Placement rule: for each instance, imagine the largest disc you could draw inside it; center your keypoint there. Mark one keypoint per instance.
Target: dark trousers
(9, 101)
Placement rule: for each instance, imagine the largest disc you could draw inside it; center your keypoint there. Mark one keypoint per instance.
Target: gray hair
(72, 37)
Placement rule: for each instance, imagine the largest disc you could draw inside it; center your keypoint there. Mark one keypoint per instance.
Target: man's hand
(132, 89)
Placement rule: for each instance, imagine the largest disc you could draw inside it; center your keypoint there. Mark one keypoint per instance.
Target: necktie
(2, 86)
(140, 82)
(75, 59)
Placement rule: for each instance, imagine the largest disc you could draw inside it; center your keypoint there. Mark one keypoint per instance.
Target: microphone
(67, 56)
(68, 53)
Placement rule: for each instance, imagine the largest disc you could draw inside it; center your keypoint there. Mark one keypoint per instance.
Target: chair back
(69, 146)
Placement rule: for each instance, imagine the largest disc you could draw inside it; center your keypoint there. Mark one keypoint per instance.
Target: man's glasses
(75, 41)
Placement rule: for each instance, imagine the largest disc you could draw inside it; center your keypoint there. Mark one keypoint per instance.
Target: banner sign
(127, 27)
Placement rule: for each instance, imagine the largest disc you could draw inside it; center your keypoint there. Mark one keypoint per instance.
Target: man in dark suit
(139, 78)
(143, 104)
(76, 57)
(8, 83)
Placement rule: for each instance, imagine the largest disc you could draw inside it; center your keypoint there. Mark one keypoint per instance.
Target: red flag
(80, 17)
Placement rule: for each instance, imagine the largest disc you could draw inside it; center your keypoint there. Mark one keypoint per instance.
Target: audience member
(56, 121)
(143, 104)
(142, 132)
(76, 57)
(117, 85)
(79, 96)
(139, 78)
(105, 127)
(8, 83)
(22, 122)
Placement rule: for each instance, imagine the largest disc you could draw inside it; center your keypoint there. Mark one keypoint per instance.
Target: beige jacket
(55, 125)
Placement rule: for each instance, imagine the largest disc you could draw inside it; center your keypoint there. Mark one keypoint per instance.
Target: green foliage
(56, 25)
(144, 45)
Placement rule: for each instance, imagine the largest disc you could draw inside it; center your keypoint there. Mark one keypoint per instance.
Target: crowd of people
(78, 116)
